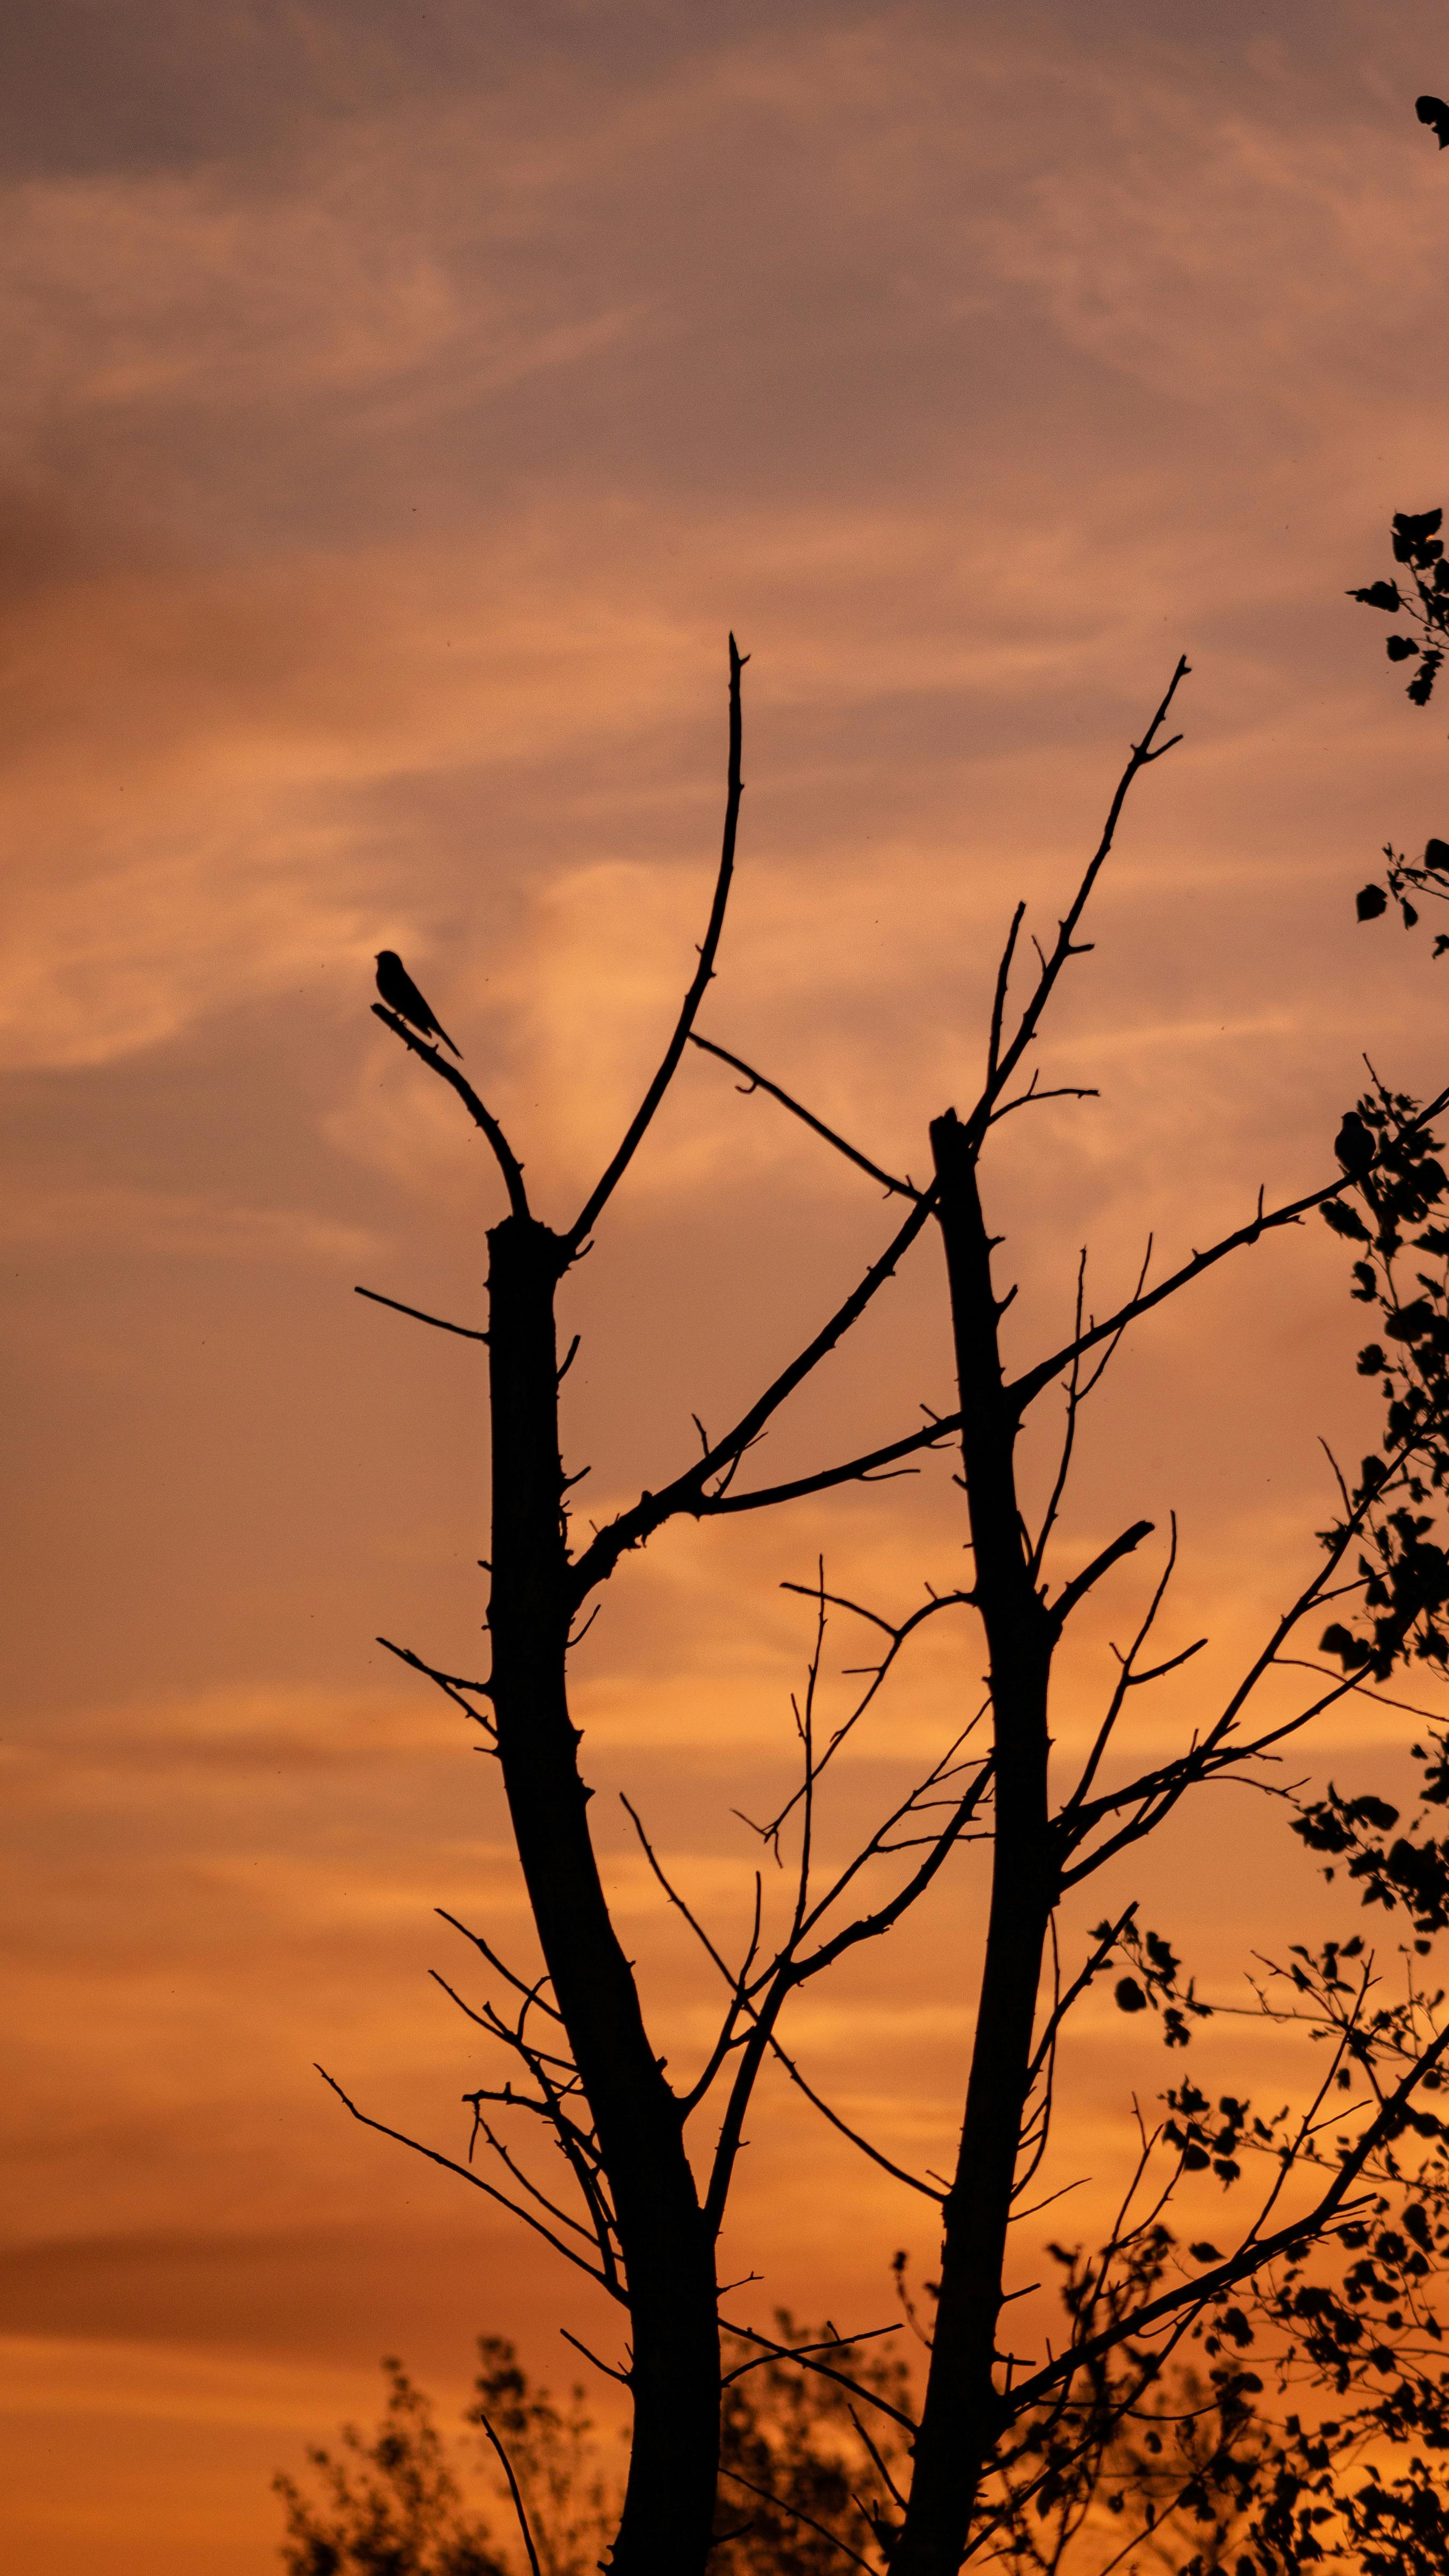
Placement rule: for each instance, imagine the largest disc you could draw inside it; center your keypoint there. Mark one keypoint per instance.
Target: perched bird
(1434, 113)
(1354, 1145)
(401, 995)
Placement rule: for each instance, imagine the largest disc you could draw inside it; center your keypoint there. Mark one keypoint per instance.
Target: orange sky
(398, 411)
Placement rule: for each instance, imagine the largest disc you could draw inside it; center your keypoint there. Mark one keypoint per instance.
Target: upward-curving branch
(603, 1191)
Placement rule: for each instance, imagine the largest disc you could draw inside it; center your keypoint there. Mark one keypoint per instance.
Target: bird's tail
(447, 1041)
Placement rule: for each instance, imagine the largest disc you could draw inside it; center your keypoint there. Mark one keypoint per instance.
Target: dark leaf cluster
(1421, 598)
(1402, 1568)
(391, 2505)
(1157, 1984)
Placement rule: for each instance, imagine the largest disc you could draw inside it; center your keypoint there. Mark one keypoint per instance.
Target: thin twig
(846, 2131)
(608, 2368)
(852, 1153)
(452, 1685)
(1024, 1390)
(1001, 1066)
(466, 1332)
(789, 2352)
(450, 2165)
(796, 2515)
(513, 2489)
(531, 1992)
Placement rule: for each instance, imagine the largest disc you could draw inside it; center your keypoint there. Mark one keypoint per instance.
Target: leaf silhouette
(1416, 536)
(1422, 684)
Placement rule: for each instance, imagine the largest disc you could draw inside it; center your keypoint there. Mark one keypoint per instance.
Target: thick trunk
(962, 2415)
(668, 2256)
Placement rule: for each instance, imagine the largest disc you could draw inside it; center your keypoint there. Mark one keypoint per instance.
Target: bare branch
(869, 1927)
(998, 999)
(451, 1685)
(513, 2489)
(607, 2367)
(1029, 1099)
(803, 2354)
(513, 2101)
(760, 1082)
(675, 1899)
(887, 2481)
(450, 2165)
(1024, 1390)
(1081, 1584)
(503, 1153)
(793, 2510)
(1069, 1433)
(466, 1332)
(878, 1676)
(1001, 1066)
(1156, 1793)
(531, 1993)
(1079, 1985)
(865, 1470)
(687, 1492)
(583, 1225)
(929, 2190)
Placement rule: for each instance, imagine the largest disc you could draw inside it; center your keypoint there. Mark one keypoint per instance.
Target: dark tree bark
(962, 2414)
(667, 2250)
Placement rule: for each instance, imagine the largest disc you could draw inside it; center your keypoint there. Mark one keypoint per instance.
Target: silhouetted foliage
(799, 2473)
(1422, 598)
(1419, 548)
(389, 2506)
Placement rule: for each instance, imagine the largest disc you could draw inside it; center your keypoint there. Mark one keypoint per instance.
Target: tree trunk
(667, 2251)
(963, 2414)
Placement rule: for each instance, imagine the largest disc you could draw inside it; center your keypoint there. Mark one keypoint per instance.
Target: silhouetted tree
(641, 2205)
(800, 2474)
(391, 2506)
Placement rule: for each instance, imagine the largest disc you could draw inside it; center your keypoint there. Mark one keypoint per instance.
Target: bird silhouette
(401, 995)
(1434, 113)
(1354, 1145)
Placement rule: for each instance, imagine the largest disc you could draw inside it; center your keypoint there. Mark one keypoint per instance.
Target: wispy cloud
(383, 470)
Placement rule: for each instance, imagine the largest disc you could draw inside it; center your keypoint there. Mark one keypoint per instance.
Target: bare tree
(641, 2207)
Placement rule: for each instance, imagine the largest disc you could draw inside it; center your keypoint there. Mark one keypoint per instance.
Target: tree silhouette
(801, 2478)
(999, 2436)
(391, 2506)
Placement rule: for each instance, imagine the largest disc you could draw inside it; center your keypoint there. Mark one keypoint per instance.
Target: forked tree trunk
(962, 2415)
(667, 2250)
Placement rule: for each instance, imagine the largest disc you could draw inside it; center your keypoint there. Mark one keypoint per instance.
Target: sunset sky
(400, 407)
